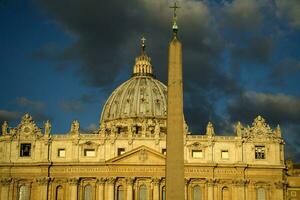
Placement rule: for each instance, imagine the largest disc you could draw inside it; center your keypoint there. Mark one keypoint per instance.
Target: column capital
(43, 180)
(186, 181)
(111, 180)
(5, 181)
(101, 181)
(212, 182)
(156, 180)
(280, 184)
(73, 181)
(130, 180)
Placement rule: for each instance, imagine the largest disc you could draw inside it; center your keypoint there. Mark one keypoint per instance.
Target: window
(24, 192)
(260, 152)
(61, 153)
(25, 150)
(121, 151)
(196, 193)
(120, 193)
(164, 151)
(59, 193)
(261, 194)
(293, 194)
(88, 192)
(89, 153)
(224, 154)
(197, 154)
(143, 193)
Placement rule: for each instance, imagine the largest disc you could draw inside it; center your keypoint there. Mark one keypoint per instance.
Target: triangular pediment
(140, 155)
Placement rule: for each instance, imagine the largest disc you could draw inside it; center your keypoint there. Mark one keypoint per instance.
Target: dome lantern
(143, 65)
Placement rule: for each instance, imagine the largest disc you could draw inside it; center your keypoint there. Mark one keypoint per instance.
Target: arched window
(120, 193)
(261, 194)
(24, 192)
(143, 193)
(225, 193)
(59, 193)
(196, 193)
(163, 193)
(88, 192)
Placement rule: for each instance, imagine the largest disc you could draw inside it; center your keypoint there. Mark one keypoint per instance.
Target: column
(43, 187)
(156, 182)
(73, 184)
(100, 188)
(129, 191)
(4, 183)
(210, 189)
(239, 189)
(110, 192)
(279, 188)
(186, 185)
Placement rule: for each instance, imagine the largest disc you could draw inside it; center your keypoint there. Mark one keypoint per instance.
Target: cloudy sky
(60, 60)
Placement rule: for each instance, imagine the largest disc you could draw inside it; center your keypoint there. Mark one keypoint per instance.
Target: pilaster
(156, 182)
(129, 182)
(100, 188)
(73, 184)
(43, 187)
(110, 188)
(5, 183)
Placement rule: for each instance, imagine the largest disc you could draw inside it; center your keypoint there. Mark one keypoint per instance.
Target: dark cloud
(276, 108)
(289, 10)
(8, 116)
(34, 105)
(78, 105)
(287, 68)
(243, 15)
(253, 50)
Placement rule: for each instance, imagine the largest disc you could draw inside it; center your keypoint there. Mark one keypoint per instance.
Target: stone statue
(210, 129)
(278, 131)
(4, 128)
(238, 129)
(157, 128)
(48, 127)
(75, 127)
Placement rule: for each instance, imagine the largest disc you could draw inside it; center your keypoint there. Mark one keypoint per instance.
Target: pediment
(140, 155)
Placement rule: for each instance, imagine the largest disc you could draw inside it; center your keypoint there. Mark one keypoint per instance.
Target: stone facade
(125, 158)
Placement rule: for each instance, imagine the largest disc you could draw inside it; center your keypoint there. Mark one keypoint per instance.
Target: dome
(142, 96)
(139, 97)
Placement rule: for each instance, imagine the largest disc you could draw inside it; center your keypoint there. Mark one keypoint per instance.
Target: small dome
(139, 97)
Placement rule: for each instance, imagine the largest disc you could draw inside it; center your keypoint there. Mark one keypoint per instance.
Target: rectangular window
(224, 154)
(197, 154)
(61, 153)
(25, 150)
(89, 152)
(121, 151)
(164, 151)
(260, 152)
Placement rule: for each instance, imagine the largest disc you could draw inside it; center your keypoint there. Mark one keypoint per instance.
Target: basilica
(125, 158)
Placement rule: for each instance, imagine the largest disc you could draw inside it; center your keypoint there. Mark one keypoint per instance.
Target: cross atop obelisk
(175, 130)
(175, 27)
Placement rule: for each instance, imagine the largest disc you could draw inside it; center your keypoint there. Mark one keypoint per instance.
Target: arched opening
(197, 193)
(143, 193)
(225, 193)
(24, 192)
(59, 193)
(88, 192)
(120, 193)
(261, 194)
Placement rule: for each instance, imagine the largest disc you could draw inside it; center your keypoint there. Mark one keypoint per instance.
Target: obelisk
(175, 159)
